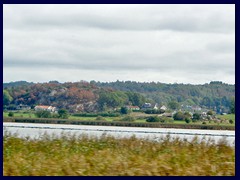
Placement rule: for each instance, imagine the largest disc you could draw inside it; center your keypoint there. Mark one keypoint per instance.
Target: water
(33, 130)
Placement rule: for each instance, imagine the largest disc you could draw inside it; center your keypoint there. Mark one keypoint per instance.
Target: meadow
(84, 155)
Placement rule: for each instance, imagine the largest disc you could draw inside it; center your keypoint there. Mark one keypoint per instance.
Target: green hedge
(96, 114)
(118, 123)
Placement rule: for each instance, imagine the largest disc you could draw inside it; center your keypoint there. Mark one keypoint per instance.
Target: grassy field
(227, 117)
(107, 156)
(137, 115)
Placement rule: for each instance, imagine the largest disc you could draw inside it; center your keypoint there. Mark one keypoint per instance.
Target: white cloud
(166, 43)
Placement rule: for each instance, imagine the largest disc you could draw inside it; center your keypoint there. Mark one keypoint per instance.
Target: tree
(153, 119)
(6, 98)
(187, 120)
(210, 113)
(63, 113)
(178, 116)
(232, 105)
(173, 105)
(10, 114)
(124, 110)
(43, 114)
(196, 117)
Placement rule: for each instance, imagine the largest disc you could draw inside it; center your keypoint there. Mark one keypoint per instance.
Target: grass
(227, 117)
(139, 118)
(107, 156)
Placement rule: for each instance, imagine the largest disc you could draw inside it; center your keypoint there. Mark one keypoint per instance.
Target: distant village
(146, 106)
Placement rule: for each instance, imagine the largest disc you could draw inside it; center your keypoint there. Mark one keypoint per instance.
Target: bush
(153, 119)
(179, 116)
(63, 113)
(187, 120)
(100, 118)
(43, 114)
(128, 118)
(231, 121)
(154, 111)
(196, 117)
(10, 114)
(124, 110)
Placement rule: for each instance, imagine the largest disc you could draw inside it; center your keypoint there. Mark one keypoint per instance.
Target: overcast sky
(164, 43)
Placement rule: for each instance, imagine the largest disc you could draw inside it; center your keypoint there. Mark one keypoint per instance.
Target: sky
(182, 43)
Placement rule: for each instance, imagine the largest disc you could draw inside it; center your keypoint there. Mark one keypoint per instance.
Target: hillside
(76, 97)
(99, 96)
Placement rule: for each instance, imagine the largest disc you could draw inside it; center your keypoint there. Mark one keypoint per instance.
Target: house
(167, 114)
(196, 108)
(45, 108)
(149, 106)
(163, 108)
(133, 108)
(23, 107)
(155, 106)
(146, 105)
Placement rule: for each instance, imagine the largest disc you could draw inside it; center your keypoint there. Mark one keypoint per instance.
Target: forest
(95, 96)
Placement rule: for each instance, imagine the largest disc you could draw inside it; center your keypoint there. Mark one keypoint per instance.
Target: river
(33, 130)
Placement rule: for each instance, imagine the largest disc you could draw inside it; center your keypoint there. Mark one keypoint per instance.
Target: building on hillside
(155, 106)
(45, 108)
(146, 106)
(133, 108)
(196, 108)
(163, 108)
(149, 106)
(23, 107)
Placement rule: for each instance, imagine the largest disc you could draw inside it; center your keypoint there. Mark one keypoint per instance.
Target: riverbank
(119, 123)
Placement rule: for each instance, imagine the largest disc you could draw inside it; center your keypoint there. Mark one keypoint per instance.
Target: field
(107, 156)
(139, 118)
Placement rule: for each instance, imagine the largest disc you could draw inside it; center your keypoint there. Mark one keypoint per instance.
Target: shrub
(179, 116)
(154, 111)
(124, 110)
(100, 118)
(187, 120)
(153, 119)
(10, 114)
(43, 114)
(128, 118)
(231, 121)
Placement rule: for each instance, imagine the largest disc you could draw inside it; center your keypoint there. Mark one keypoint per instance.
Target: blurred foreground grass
(71, 155)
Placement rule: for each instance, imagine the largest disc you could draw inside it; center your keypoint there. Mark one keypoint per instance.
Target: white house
(45, 108)
(163, 108)
(133, 107)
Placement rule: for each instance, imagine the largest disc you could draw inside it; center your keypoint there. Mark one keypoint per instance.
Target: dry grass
(108, 156)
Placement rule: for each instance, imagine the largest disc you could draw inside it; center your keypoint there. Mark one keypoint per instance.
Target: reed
(72, 155)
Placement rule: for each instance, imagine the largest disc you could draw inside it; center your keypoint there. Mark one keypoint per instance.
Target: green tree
(153, 119)
(124, 110)
(63, 113)
(232, 105)
(187, 120)
(210, 113)
(43, 114)
(6, 98)
(10, 114)
(173, 105)
(196, 117)
(179, 116)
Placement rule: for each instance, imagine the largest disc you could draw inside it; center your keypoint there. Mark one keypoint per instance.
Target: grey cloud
(125, 17)
(148, 42)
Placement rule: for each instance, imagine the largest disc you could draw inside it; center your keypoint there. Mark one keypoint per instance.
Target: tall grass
(70, 155)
